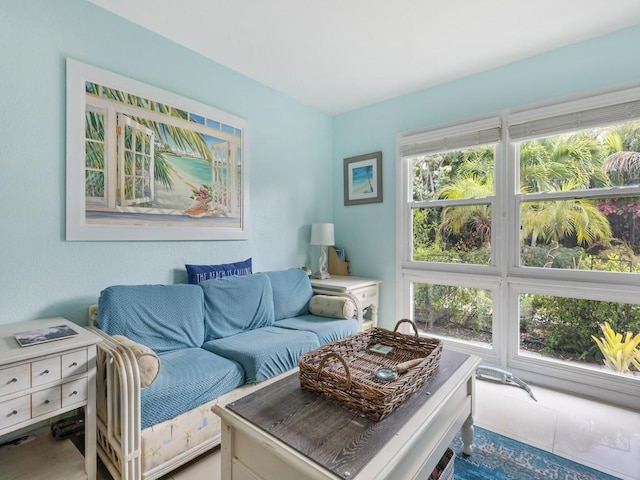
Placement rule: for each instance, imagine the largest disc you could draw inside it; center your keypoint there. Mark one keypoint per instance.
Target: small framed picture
(363, 179)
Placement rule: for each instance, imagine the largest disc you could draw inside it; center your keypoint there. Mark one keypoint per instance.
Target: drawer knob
(75, 392)
(46, 402)
(74, 364)
(15, 412)
(45, 372)
(13, 380)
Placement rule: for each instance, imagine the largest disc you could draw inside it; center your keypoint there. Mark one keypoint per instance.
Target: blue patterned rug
(496, 457)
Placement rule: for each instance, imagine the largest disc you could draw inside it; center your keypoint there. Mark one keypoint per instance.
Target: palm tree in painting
(369, 170)
(184, 139)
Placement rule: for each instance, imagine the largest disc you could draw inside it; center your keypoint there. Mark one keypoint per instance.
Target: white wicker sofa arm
(118, 408)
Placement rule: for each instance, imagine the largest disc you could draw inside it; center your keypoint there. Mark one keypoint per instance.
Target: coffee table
(282, 432)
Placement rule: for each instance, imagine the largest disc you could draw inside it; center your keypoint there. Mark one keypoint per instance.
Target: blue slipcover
(291, 292)
(264, 352)
(162, 317)
(187, 379)
(326, 329)
(236, 304)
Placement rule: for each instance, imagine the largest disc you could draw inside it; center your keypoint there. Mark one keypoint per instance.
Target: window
(561, 328)
(95, 157)
(451, 192)
(454, 311)
(519, 243)
(579, 186)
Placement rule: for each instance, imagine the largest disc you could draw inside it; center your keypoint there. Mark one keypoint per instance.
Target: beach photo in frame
(363, 179)
(147, 164)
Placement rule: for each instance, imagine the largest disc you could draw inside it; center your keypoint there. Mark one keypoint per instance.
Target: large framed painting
(147, 164)
(363, 179)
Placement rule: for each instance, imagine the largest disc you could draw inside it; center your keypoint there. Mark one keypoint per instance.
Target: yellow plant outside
(618, 355)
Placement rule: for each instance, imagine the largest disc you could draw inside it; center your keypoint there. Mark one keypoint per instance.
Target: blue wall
(41, 274)
(295, 163)
(367, 232)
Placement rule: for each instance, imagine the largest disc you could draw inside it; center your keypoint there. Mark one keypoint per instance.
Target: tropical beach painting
(363, 179)
(146, 164)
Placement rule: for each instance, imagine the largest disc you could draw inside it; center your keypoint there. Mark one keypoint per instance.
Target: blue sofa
(215, 342)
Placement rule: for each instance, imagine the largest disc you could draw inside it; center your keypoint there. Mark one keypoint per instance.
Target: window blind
(578, 120)
(471, 134)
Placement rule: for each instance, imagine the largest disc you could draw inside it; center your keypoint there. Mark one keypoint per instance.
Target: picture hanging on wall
(147, 164)
(363, 179)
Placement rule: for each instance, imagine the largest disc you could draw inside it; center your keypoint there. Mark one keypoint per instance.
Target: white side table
(364, 289)
(38, 382)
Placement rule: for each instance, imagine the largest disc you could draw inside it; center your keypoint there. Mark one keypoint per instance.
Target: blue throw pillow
(200, 273)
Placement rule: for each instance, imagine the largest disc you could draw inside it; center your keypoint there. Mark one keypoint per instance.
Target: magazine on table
(42, 335)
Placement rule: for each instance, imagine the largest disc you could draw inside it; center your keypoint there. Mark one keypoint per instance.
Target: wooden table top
(338, 439)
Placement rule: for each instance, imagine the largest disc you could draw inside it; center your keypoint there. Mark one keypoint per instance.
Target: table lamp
(322, 234)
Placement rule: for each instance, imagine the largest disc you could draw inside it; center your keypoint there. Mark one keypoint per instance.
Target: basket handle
(406, 320)
(344, 364)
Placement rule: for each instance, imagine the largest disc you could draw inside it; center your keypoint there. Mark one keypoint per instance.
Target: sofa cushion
(162, 317)
(200, 273)
(291, 292)
(326, 329)
(236, 304)
(264, 352)
(189, 378)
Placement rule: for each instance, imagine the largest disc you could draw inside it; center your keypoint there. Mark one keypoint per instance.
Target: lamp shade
(322, 234)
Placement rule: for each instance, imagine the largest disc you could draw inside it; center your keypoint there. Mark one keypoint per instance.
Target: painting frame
(363, 179)
(147, 164)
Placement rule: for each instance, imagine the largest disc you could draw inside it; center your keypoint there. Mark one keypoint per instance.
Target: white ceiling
(338, 55)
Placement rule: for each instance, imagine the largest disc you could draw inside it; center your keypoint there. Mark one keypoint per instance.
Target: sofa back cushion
(162, 317)
(291, 292)
(236, 304)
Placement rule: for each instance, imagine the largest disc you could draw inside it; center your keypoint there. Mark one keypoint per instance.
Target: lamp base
(322, 272)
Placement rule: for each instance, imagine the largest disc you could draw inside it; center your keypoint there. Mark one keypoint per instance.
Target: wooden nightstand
(365, 290)
(38, 382)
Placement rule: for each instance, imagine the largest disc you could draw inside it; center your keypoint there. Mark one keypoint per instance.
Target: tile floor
(594, 434)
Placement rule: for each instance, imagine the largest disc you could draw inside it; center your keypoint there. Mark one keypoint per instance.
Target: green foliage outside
(562, 327)
(464, 308)
(575, 233)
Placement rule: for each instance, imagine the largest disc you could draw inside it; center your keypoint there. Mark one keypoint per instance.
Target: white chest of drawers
(40, 381)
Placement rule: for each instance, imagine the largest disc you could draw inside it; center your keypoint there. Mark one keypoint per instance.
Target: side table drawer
(74, 363)
(45, 401)
(15, 411)
(366, 295)
(14, 379)
(74, 392)
(45, 371)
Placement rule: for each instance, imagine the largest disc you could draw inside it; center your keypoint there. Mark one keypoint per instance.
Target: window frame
(454, 133)
(507, 276)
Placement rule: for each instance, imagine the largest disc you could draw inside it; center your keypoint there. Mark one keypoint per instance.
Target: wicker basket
(343, 371)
